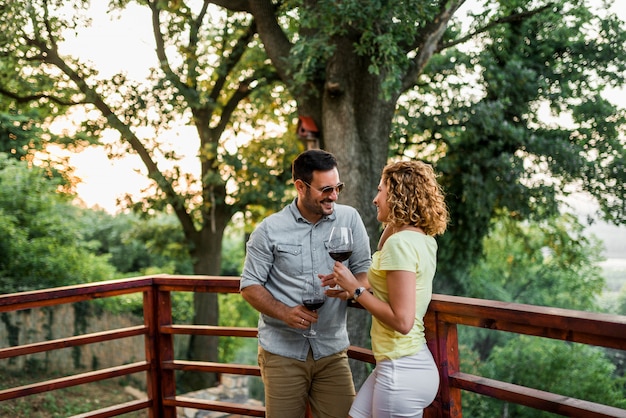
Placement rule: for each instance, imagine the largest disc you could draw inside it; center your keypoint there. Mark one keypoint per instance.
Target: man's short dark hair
(312, 160)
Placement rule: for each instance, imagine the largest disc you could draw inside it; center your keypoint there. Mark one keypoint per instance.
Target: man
(288, 249)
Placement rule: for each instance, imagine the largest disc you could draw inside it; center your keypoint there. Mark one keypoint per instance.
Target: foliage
(16, 135)
(136, 246)
(554, 366)
(236, 312)
(380, 31)
(233, 250)
(621, 301)
(499, 141)
(23, 125)
(64, 402)
(40, 247)
(211, 77)
(547, 263)
(23, 138)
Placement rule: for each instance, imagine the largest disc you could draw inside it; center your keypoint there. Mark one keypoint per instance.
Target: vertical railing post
(161, 382)
(444, 345)
(152, 357)
(165, 344)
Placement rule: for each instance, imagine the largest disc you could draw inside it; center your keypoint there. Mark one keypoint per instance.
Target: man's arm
(263, 301)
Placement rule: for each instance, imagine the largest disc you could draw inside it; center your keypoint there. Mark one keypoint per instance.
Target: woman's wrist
(358, 292)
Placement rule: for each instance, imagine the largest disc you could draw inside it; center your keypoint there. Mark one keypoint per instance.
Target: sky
(112, 43)
(108, 44)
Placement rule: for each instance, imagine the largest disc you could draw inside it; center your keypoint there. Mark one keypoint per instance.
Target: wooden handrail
(560, 404)
(115, 410)
(541, 321)
(95, 337)
(228, 407)
(75, 380)
(446, 312)
(444, 315)
(209, 330)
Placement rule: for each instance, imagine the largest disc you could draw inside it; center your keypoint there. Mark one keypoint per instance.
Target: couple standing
(394, 285)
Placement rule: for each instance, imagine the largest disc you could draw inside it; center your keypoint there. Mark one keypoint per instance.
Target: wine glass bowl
(313, 297)
(340, 243)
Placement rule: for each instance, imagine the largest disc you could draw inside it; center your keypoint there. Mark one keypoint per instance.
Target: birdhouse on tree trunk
(308, 132)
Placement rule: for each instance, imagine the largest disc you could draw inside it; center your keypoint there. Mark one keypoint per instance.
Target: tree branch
(229, 62)
(264, 76)
(52, 57)
(234, 5)
(429, 42)
(160, 47)
(37, 97)
(274, 39)
(517, 17)
(192, 60)
(434, 33)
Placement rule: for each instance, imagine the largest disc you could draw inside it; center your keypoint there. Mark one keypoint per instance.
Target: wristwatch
(358, 292)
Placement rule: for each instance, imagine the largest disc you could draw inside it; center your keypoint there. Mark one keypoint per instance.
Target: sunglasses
(328, 189)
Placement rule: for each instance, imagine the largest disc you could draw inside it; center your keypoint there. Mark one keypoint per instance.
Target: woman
(410, 204)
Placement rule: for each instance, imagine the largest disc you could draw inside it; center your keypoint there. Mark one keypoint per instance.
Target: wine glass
(340, 243)
(313, 297)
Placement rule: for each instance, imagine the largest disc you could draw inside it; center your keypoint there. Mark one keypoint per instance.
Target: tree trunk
(207, 261)
(356, 127)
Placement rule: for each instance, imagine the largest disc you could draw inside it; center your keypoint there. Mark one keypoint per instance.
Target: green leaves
(41, 246)
(518, 118)
(547, 263)
(573, 370)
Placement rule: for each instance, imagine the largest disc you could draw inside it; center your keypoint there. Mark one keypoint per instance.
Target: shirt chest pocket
(288, 258)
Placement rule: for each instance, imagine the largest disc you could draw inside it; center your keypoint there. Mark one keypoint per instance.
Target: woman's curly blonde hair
(414, 197)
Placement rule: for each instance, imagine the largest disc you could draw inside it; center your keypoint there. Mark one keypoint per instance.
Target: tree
(568, 369)
(137, 246)
(350, 65)
(379, 74)
(41, 246)
(212, 75)
(546, 263)
(500, 152)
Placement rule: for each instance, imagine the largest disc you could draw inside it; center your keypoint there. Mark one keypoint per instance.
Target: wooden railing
(445, 313)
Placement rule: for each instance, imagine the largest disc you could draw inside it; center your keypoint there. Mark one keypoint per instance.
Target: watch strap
(358, 292)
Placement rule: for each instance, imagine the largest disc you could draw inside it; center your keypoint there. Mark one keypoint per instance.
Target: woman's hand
(333, 290)
(344, 278)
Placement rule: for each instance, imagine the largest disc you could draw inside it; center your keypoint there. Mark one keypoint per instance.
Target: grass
(64, 402)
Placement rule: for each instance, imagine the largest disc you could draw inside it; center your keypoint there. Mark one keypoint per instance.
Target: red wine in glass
(340, 243)
(339, 255)
(313, 304)
(313, 297)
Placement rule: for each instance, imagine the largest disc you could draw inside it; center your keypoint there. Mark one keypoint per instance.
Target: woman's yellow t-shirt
(407, 251)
